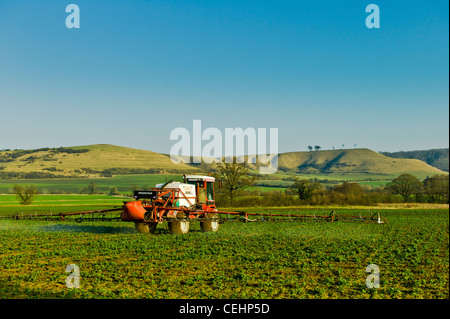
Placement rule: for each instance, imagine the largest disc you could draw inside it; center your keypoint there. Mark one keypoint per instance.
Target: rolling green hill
(350, 161)
(109, 160)
(87, 161)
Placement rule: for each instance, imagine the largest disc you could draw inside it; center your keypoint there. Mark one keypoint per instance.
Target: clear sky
(135, 70)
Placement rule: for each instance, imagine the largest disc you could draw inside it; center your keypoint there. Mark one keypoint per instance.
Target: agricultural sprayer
(180, 203)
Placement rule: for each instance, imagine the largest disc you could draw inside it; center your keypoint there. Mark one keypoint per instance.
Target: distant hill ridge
(107, 160)
(350, 161)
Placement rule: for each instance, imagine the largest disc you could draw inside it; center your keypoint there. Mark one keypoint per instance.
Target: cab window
(210, 191)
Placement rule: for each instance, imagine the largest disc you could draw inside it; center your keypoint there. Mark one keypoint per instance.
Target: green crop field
(124, 183)
(286, 260)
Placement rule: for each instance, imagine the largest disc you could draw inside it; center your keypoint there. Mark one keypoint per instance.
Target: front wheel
(211, 224)
(146, 228)
(178, 226)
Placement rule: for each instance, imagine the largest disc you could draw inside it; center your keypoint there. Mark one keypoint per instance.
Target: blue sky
(135, 70)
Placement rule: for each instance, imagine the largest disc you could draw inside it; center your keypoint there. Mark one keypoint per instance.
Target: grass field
(242, 260)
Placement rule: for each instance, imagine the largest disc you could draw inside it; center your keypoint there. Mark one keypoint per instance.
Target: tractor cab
(204, 188)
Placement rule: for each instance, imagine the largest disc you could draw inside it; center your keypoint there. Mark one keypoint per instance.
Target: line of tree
(237, 191)
(29, 175)
(433, 189)
(435, 157)
(11, 156)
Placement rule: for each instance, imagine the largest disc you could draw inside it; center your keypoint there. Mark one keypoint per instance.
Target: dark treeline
(436, 157)
(30, 175)
(405, 188)
(6, 156)
(82, 173)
